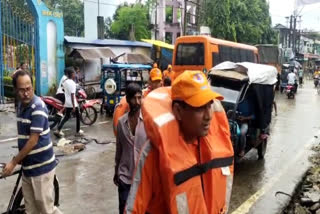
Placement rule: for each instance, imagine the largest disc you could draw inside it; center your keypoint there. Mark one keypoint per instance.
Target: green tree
(217, 17)
(252, 21)
(108, 32)
(131, 22)
(73, 15)
(246, 21)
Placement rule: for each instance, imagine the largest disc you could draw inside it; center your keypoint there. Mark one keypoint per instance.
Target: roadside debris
(69, 146)
(7, 108)
(307, 198)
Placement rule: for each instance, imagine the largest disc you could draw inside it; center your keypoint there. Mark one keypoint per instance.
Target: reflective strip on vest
(157, 95)
(182, 203)
(137, 177)
(217, 106)
(229, 191)
(164, 119)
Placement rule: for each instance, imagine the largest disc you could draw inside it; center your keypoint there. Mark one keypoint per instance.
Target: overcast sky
(279, 9)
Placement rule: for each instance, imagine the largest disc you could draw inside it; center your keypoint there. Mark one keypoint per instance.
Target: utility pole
(290, 32)
(294, 33)
(156, 22)
(286, 39)
(100, 24)
(98, 7)
(198, 15)
(185, 18)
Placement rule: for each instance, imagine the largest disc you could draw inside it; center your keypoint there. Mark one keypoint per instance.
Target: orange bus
(204, 52)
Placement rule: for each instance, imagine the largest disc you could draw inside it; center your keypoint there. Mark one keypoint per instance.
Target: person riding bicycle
(35, 148)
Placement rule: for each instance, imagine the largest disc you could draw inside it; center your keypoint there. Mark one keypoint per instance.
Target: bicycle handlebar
(2, 165)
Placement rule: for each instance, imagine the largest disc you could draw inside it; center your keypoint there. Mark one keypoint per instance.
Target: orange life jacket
(120, 109)
(166, 74)
(190, 186)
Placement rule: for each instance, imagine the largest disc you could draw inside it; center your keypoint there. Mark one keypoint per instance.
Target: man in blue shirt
(35, 149)
(246, 110)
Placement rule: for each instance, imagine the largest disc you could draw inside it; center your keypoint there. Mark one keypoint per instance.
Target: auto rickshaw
(115, 78)
(236, 86)
(285, 70)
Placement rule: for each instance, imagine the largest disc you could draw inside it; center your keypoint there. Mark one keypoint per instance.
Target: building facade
(303, 43)
(168, 19)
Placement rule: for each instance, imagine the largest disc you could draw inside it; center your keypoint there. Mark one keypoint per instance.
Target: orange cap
(155, 74)
(193, 88)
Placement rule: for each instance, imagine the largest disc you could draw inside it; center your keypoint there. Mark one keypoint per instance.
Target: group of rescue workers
(173, 148)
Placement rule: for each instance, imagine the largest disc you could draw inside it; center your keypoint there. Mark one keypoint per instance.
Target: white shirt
(291, 78)
(60, 88)
(70, 87)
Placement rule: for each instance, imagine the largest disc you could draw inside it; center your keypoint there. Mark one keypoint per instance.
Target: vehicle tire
(18, 206)
(262, 148)
(88, 116)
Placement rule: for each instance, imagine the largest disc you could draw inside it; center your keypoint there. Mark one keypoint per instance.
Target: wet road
(86, 178)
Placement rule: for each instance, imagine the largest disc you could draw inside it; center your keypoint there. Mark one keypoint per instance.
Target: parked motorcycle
(290, 91)
(88, 114)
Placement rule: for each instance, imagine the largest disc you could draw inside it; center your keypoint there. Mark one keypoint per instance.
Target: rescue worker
(155, 67)
(186, 166)
(155, 81)
(168, 73)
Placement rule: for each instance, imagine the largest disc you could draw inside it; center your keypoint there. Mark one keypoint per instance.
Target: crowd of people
(173, 148)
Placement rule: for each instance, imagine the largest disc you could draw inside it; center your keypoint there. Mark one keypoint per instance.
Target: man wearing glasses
(35, 149)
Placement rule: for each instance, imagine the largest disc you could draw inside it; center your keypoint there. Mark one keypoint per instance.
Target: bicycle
(16, 205)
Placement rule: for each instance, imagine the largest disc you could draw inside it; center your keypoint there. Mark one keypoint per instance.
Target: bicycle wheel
(18, 205)
(88, 116)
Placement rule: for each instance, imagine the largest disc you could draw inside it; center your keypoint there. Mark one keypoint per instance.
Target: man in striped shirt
(35, 149)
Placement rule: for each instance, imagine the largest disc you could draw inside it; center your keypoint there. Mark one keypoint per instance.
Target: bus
(204, 52)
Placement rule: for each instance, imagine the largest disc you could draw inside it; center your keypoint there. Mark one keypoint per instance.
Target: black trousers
(67, 117)
(123, 191)
(61, 97)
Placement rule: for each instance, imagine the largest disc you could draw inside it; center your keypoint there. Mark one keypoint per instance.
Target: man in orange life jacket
(187, 164)
(155, 81)
(169, 73)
